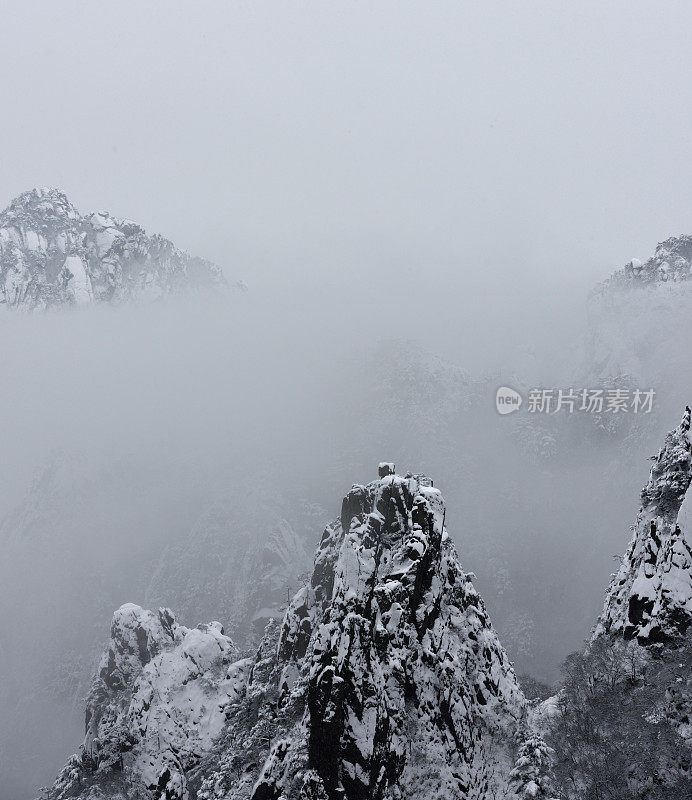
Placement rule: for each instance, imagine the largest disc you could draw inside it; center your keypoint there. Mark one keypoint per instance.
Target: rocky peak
(155, 707)
(137, 636)
(389, 680)
(51, 255)
(42, 205)
(670, 263)
(385, 680)
(650, 598)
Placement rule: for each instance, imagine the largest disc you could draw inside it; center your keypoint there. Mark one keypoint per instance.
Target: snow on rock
(74, 280)
(50, 255)
(650, 598)
(384, 681)
(157, 704)
(671, 261)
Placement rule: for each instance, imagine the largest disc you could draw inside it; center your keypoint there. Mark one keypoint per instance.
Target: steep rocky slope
(650, 598)
(385, 679)
(50, 255)
(620, 727)
(156, 704)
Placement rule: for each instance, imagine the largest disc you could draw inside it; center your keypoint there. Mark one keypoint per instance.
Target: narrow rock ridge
(650, 597)
(385, 680)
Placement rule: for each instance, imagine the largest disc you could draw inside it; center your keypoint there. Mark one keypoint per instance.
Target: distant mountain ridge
(670, 263)
(51, 255)
(638, 329)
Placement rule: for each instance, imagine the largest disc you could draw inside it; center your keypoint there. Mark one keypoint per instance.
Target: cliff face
(650, 598)
(156, 705)
(620, 726)
(385, 679)
(51, 255)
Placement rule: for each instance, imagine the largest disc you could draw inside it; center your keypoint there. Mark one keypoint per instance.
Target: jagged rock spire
(390, 681)
(650, 598)
(671, 473)
(385, 680)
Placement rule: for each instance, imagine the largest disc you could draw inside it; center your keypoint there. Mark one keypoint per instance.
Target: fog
(250, 132)
(419, 200)
(266, 380)
(123, 425)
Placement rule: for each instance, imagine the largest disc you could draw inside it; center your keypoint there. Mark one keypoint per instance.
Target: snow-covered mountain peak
(156, 705)
(45, 203)
(390, 681)
(650, 598)
(670, 263)
(51, 255)
(384, 680)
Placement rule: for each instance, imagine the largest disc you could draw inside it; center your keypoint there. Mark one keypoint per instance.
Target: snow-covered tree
(530, 777)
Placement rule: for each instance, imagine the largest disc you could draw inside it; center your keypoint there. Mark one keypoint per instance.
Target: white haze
(155, 411)
(269, 136)
(253, 371)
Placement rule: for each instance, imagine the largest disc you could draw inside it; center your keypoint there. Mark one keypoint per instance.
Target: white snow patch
(77, 281)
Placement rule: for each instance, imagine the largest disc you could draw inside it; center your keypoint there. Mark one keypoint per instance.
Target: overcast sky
(539, 137)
